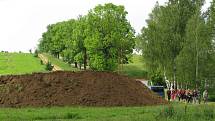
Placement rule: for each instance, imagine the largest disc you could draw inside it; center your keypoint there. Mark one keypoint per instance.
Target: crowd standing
(187, 95)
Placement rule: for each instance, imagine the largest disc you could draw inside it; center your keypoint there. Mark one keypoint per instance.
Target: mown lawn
(19, 63)
(135, 68)
(60, 63)
(177, 112)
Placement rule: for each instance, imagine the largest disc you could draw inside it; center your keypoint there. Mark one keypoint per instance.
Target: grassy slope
(136, 68)
(60, 63)
(19, 63)
(152, 113)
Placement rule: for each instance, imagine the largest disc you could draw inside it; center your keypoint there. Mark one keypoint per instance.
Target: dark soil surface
(87, 88)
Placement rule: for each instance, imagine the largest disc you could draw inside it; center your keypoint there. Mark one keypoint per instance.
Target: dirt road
(45, 61)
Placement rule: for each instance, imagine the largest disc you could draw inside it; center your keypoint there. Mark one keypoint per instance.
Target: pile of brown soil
(85, 88)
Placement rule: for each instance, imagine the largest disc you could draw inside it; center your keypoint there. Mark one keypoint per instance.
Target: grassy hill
(60, 63)
(19, 63)
(135, 68)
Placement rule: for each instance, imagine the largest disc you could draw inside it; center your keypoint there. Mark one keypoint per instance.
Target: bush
(211, 98)
(49, 66)
(72, 116)
(36, 53)
(157, 80)
(41, 62)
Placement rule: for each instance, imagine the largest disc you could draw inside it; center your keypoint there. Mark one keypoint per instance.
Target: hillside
(63, 65)
(135, 68)
(19, 63)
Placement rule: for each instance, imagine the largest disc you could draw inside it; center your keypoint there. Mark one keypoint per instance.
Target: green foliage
(110, 37)
(195, 51)
(57, 37)
(36, 53)
(157, 79)
(73, 116)
(135, 68)
(49, 66)
(60, 63)
(179, 41)
(103, 37)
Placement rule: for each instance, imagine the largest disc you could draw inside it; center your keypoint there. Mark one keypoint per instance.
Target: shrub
(158, 80)
(72, 116)
(41, 62)
(36, 53)
(211, 97)
(49, 66)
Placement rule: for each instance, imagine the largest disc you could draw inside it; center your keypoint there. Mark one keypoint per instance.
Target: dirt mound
(74, 88)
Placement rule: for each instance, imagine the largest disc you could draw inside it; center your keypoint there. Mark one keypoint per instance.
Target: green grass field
(177, 112)
(60, 63)
(135, 68)
(19, 63)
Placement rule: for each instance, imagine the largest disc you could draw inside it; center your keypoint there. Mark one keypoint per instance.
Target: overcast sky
(22, 22)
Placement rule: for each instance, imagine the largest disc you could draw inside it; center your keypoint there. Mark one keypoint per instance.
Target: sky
(22, 22)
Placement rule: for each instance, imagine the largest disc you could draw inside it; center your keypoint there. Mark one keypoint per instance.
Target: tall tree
(193, 58)
(79, 35)
(110, 36)
(163, 38)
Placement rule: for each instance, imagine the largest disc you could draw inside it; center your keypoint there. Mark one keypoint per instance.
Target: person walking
(205, 96)
(194, 96)
(168, 94)
(198, 96)
(179, 94)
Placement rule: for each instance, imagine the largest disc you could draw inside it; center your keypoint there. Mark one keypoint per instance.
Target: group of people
(187, 95)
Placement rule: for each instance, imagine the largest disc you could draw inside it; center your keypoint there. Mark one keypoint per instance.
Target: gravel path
(45, 61)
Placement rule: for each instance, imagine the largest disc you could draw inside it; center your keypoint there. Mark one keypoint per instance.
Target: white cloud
(22, 22)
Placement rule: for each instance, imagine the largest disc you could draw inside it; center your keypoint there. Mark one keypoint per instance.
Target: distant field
(19, 63)
(179, 112)
(60, 63)
(135, 68)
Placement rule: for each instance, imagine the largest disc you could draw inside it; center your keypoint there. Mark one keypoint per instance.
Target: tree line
(102, 39)
(179, 41)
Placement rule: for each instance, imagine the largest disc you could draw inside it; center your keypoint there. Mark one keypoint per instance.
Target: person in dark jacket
(168, 94)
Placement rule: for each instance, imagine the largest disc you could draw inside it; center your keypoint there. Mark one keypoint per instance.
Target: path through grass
(63, 65)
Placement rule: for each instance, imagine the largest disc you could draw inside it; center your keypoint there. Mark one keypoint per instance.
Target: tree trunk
(80, 66)
(174, 74)
(57, 55)
(76, 65)
(85, 59)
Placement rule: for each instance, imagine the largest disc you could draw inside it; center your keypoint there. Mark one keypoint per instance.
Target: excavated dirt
(87, 88)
